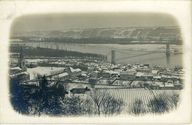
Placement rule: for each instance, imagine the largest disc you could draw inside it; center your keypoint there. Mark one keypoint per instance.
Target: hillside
(106, 35)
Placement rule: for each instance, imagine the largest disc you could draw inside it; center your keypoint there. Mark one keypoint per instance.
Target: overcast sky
(95, 20)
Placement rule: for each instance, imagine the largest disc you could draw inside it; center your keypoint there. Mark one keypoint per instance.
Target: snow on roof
(63, 74)
(83, 74)
(110, 72)
(154, 71)
(127, 73)
(16, 68)
(157, 77)
(175, 77)
(31, 83)
(148, 74)
(96, 71)
(139, 74)
(131, 70)
(17, 74)
(75, 70)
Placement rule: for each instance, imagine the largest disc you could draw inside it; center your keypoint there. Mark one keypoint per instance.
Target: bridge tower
(167, 49)
(21, 60)
(168, 53)
(112, 56)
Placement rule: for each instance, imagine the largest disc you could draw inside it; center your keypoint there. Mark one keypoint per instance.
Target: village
(85, 74)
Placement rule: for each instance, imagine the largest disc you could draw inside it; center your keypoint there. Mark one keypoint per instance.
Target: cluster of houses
(141, 75)
(131, 75)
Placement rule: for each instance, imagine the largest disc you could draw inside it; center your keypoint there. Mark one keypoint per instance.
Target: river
(153, 54)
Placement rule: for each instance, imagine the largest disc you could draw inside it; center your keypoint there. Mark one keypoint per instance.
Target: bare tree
(87, 107)
(105, 103)
(98, 98)
(112, 105)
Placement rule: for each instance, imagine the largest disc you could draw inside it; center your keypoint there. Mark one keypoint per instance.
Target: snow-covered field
(42, 71)
(36, 60)
(130, 95)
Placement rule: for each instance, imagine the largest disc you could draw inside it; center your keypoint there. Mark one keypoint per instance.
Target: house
(144, 76)
(146, 65)
(165, 77)
(155, 72)
(139, 76)
(146, 70)
(159, 84)
(137, 84)
(174, 77)
(15, 70)
(115, 73)
(156, 77)
(79, 90)
(94, 74)
(90, 69)
(169, 84)
(148, 76)
(21, 76)
(30, 82)
(31, 64)
(73, 72)
(92, 81)
(125, 75)
(106, 74)
(147, 84)
(178, 84)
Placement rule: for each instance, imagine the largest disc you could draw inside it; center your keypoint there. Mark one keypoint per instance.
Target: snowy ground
(36, 60)
(42, 71)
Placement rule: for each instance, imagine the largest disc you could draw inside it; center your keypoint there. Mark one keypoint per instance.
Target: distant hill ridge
(171, 34)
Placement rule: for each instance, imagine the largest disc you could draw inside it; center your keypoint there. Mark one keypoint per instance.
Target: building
(21, 76)
(79, 90)
(14, 70)
(94, 74)
(155, 72)
(109, 74)
(73, 72)
(106, 74)
(169, 84)
(146, 70)
(125, 75)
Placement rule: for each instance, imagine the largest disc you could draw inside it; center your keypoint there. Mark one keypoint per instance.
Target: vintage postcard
(95, 62)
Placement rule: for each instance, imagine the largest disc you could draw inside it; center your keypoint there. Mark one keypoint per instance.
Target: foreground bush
(138, 107)
(36, 101)
(161, 103)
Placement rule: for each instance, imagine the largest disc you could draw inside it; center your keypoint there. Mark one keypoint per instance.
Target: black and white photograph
(96, 64)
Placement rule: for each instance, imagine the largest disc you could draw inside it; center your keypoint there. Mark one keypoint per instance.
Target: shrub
(138, 107)
(163, 103)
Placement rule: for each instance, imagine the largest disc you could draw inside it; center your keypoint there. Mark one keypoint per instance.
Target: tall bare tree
(105, 103)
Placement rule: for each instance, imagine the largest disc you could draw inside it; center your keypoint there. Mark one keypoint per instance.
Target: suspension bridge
(112, 54)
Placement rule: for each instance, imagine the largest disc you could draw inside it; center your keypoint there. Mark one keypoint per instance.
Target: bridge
(113, 57)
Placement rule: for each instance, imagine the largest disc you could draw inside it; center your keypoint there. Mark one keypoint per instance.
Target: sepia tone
(95, 64)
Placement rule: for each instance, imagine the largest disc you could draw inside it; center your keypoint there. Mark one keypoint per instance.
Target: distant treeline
(98, 40)
(46, 52)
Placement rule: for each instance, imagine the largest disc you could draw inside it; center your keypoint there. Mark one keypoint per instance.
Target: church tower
(21, 60)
